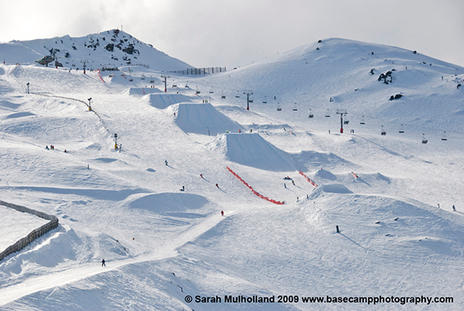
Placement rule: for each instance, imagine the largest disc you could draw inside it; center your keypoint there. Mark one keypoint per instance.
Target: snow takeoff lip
(253, 190)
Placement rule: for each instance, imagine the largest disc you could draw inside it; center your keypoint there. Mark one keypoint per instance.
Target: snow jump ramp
(253, 150)
(203, 119)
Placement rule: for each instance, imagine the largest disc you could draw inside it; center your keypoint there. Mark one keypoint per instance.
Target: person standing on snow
(103, 263)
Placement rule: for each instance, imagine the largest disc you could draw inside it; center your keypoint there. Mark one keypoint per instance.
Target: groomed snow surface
(152, 208)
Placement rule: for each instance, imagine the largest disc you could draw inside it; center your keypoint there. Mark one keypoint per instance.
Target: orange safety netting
(253, 190)
(308, 179)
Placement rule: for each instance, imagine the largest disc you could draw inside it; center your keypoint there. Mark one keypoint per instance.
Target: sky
(238, 32)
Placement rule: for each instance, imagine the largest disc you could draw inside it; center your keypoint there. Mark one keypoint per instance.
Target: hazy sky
(238, 32)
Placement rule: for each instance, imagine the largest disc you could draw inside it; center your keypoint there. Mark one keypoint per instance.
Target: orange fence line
(253, 190)
(308, 179)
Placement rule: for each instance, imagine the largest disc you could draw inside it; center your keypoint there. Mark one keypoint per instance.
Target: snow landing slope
(161, 243)
(111, 49)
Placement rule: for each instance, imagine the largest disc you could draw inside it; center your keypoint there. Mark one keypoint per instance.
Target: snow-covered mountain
(110, 49)
(152, 207)
(417, 90)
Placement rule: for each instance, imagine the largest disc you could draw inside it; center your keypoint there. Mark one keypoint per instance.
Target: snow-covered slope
(343, 74)
(152, 208)
(108, 49)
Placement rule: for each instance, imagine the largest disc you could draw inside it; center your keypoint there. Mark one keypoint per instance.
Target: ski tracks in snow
(61, 278)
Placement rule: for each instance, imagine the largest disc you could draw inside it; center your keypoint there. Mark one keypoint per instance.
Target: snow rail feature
(308, 179)
(253, 190)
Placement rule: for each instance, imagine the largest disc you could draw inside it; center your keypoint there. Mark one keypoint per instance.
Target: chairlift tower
(249, 100)
(164, 77)
(341, 113)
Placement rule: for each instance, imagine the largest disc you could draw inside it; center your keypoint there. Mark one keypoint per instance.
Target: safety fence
(308, 179)
(100, 76)
(199, 71)
(34, 234)
(253, 190)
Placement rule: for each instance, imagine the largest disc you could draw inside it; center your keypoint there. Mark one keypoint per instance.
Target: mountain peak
(110, 48)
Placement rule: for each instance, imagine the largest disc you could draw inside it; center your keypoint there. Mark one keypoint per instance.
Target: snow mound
(203, 119)
(171, 204)
(335, 188)
(253, 150)
(163, 100)
(143, 90)
(324, 174)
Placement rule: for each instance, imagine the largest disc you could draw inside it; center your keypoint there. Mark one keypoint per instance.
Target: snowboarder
(103, 263)
(454, 208)
(166, 162)
(183, 188)
(222, 213)
(52, 147)
(46, 147)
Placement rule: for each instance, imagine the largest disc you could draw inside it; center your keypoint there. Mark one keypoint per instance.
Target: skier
(103, 263)
(222, 213)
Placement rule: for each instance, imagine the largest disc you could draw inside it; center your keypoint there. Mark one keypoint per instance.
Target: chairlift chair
(327, 114)
(401, 131)
(310, 114)
(424, 140)
(223, 96)
(346, 121)
(362, 121)
(443, 138)
(383, 132)
(279, 108)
